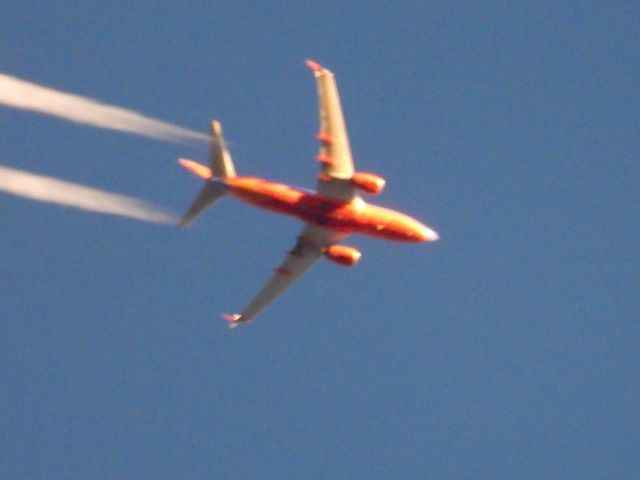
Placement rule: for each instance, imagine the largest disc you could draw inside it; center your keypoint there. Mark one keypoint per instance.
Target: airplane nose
(407, 229)
(429, 235)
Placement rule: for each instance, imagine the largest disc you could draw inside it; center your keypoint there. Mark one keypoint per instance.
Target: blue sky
(509, 349)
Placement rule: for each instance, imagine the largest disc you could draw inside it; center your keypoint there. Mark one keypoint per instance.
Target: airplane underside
(330, 214)
(354, 216)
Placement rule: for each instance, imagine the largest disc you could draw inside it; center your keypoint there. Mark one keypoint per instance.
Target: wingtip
(233, 319)
(314, 66)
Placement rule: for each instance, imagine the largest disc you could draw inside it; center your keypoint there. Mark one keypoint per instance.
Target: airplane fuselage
(354, 216)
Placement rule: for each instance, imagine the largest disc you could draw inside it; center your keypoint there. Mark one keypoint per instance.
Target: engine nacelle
(368, 182)
(343, 255)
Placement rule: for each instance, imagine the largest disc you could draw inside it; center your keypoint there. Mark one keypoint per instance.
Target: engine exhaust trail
(51, 190)
(20, 94)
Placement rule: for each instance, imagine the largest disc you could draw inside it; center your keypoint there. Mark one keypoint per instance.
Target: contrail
(24, 95)
(52, 190)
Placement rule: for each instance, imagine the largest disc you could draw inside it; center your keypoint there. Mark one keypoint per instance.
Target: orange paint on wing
(325, 138)
(326, 159)
(313, 65)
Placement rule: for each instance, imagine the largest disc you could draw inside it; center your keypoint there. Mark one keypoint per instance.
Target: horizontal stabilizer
(208, 195)
(196, 168)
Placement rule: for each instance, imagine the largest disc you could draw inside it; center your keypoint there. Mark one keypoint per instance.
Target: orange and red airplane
(331, 214)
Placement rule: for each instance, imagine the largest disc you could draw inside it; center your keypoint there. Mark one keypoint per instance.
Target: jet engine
(368, 182)
(343, 255)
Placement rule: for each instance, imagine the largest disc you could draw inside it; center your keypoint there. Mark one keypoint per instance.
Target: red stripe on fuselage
(348, 217)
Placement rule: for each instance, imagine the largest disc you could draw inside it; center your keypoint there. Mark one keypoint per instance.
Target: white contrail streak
(24, 95)
(52, 190)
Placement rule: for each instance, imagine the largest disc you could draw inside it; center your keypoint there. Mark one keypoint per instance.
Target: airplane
(331, 214)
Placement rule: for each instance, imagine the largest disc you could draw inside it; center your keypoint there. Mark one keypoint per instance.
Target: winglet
(234, 320)
(315, 66)
(196, 168)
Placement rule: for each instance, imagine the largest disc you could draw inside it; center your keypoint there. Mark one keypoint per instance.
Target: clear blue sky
(509, 349)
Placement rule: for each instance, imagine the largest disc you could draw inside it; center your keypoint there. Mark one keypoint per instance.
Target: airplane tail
(219, 156)
(220, 167)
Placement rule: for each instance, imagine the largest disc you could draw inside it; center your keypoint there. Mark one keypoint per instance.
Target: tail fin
(219, 157)
(220, 166)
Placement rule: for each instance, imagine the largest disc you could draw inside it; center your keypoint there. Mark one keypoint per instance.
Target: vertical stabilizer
(219, 156)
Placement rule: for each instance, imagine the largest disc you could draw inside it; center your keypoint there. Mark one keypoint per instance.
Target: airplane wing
(335, 153)
(306, 252)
